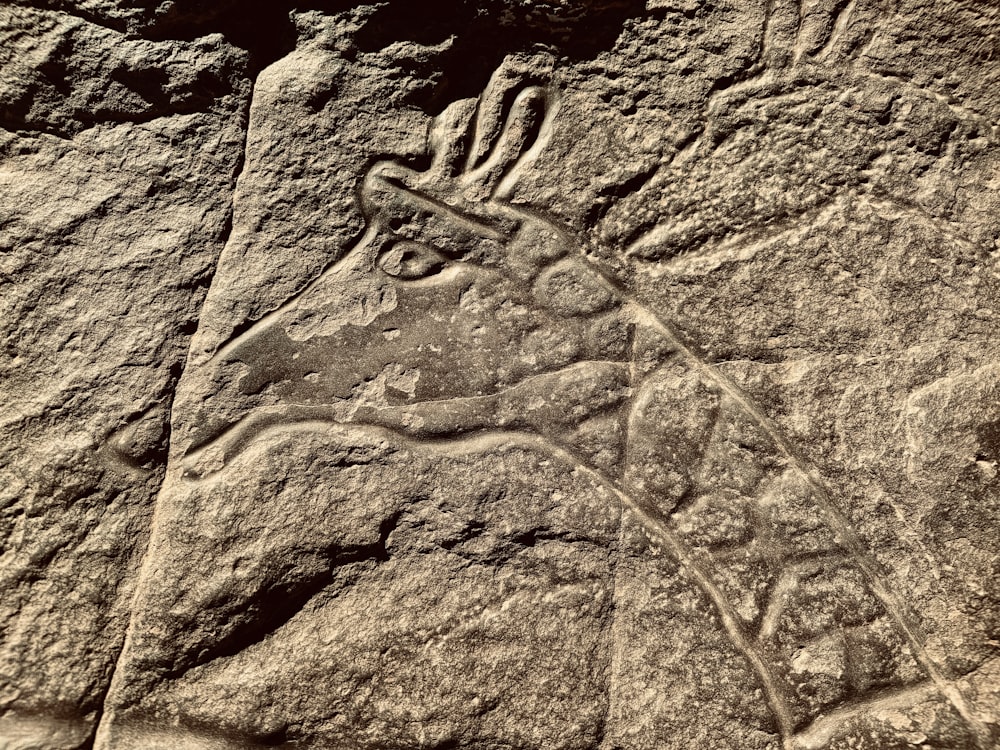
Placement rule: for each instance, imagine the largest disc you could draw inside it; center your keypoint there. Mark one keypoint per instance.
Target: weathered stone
(611, 375)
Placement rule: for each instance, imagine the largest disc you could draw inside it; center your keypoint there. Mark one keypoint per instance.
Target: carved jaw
(582, 408)
(576, 392)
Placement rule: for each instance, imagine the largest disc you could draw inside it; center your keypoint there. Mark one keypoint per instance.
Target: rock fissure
(224, 240)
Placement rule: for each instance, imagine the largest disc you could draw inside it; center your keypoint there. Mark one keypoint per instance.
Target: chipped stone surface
(606, 375)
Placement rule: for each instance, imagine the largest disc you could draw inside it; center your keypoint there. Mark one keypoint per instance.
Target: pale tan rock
(611, 375)
(113, 210)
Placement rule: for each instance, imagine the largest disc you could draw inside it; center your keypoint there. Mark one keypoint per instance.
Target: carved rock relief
(462, 323)
(465, 332)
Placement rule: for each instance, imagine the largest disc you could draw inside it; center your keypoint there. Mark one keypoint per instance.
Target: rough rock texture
(592, 374)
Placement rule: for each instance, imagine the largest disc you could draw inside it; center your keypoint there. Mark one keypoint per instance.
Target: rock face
(605, 375)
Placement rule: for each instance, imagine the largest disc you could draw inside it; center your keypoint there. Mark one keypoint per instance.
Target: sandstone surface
(520, 374)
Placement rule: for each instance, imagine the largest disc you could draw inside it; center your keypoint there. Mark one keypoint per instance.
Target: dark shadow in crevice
(479, 35)
(262, 28)
(988, 439)
(460, 44)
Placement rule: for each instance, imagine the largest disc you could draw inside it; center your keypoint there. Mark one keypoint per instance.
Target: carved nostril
(411, 260)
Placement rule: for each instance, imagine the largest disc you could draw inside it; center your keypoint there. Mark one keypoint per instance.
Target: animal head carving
(456, 311)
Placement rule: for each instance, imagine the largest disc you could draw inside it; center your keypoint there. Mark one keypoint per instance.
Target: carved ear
(510, 118)
(521, 130)
(450, 139)
(491, 114)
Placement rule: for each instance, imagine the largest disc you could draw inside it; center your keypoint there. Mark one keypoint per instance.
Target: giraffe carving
(460, 316)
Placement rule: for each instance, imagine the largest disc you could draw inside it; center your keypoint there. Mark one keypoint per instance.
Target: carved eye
(411, 260)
